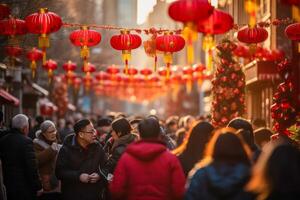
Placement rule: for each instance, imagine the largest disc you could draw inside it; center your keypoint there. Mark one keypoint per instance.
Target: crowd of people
(145, 158)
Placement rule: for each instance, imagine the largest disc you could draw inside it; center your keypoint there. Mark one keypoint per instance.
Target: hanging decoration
(69, 67)
(43, 23)
(150, 49)
(169, 43)
(85, 38)
(251, 8)
(13, 52)
(88, 69)
(283, 110)
(228, 86)
(198, 74)
(252, 35)
(50, 66)
(12, 27)
(188, 78)
(189, 12)
(218, 22)
(34, 55)
(101, 77)
(146, 73)
(4, 11)
(125, 42)
(293, 33)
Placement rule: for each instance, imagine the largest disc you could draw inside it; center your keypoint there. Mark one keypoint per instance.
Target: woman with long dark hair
(224, 171)
(192, 148)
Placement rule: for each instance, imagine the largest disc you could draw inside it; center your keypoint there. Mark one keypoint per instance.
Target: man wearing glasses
(78, 164)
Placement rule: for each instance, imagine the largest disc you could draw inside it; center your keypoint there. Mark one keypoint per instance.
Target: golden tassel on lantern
(168, 60)
(251, 8)
(33, 68)
(155, 63)
(43, 44)
(50, 75)
(126, 56)
(190, 34)
(208, 45)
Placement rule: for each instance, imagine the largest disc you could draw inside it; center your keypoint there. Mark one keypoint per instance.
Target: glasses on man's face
(90, 131)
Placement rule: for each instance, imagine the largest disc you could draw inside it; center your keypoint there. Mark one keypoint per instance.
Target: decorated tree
(228, 86)
(283, 110)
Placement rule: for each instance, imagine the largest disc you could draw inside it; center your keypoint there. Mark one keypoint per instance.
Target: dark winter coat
(19, 166)
(219, 182)
(71, 162)
(117, 150)
(148, 171)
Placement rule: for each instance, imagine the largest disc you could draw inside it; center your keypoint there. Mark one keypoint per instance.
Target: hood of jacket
(225, 179)
(146, 149)
(124, 140)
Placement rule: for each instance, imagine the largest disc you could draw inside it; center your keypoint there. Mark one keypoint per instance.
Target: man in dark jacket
(78, 163)
(19, 162)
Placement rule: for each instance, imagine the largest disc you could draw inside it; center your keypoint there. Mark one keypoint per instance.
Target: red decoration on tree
(187, 12)
(34, 55)
(228, 94)
(85, 38)
(242, 51)
(125, 42)
(43, 23)
(169, 43)
(4, 11)
(252, 35)
(293, 31)
(50, 65)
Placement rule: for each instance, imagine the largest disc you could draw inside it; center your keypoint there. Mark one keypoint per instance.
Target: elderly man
(19, 162)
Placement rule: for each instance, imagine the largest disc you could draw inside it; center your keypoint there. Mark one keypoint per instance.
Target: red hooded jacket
(148, 171)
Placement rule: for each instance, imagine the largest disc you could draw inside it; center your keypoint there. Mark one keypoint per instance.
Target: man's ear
(80, 134)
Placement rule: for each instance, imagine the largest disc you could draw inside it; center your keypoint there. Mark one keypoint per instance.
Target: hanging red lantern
(188, 77)
(34, 55)
(69, 67)
(198, 74)
(88, 68)
(12, 27)
(146, 72)
(293, 31)
(4, 11)
(189, 12)
(85, 38)
(50, 65)
(43, 23)
(87, 81)
(169, 43)
(112, 70)
(101, 77)
(77, 83)
(131, 73)
(125, 42)
(13, 51)
(252, 35)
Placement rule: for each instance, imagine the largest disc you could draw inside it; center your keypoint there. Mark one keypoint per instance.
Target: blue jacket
(219, 181)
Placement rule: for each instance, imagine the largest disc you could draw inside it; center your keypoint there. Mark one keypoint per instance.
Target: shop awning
(7, 98)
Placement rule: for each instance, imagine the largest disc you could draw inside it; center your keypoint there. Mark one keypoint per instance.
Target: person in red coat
(147, 170)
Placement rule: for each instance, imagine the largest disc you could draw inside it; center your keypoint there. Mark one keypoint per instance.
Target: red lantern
(43, 23)
(218, 23)
(101, 77)
(77, 83)
(50, 65)
(252, 35)
(88, 81)
(169, 43)
(125, 42)
(85, 38)
(88, 69)
(131, 72)
(112, 70)
(188, 77)
(293, 31)
(13, 51)
(47, 109)
(189, 12)
(146, 72)
(69, 67)
(4, 11)
(12, 27)
(34, 55)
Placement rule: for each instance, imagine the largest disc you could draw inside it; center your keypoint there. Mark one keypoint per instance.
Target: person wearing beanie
(46, 150)
(78, 164)
(147, 170)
